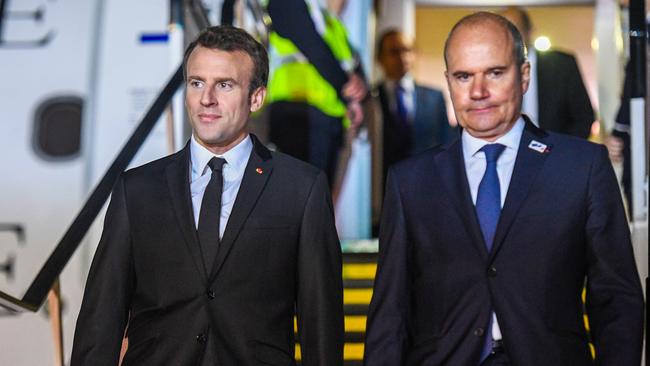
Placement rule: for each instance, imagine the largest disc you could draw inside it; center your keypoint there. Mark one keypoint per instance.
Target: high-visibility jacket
(294, 79)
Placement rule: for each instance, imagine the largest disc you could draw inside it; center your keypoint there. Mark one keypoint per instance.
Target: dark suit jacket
(279, 255)
(430, 125)
(563, 102)
(562, 222)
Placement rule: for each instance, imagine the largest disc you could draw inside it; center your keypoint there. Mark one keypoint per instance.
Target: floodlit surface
(542, 43)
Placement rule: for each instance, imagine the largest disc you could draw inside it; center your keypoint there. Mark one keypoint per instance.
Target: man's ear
(257, 98)
(525, 76)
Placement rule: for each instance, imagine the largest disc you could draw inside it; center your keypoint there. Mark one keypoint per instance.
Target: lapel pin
(539, 147)
(259, 170)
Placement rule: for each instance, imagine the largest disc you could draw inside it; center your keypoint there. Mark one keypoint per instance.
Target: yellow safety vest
(294, 79)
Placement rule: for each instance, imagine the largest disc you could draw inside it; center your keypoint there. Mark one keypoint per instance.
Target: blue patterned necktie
(488, 199)
(402, 112)
(488, 210)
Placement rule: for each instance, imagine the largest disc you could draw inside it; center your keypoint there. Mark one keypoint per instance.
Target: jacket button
(210, 294)
(479, 332)
(201, 338)
(492, 272)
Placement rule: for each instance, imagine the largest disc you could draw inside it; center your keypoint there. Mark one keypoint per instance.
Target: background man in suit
(409, 118)
(487, 242)
(556, 99)
(414, 116)
(208, 253)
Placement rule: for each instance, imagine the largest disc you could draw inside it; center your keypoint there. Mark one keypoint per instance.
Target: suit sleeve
(614, 297)
(579, 104)
(104, 310)
(622, 126)
(388, 317)
(291, 20)
(320, 288)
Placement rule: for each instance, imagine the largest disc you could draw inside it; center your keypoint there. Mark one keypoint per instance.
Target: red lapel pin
(259, 170)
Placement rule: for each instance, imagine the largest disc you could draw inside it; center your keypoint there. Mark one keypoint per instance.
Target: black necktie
(210, 214)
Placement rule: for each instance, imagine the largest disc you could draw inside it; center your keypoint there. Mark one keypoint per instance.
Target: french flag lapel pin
(539, 147)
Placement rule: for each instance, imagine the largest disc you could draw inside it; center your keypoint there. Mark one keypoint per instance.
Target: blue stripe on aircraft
(154, 37)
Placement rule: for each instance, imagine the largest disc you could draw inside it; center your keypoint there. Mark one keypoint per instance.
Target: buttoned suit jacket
(562, 223)
(279, 255)
(563, 101)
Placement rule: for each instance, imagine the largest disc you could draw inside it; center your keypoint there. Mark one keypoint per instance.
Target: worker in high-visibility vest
(314, 88)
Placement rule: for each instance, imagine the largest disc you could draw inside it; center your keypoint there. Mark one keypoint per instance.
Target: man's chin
(221, 142)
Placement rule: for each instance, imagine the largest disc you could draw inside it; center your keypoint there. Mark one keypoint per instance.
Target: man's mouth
(208, 117)
(482, 109)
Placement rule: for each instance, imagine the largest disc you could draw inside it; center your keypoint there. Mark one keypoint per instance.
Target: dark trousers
(306, 133)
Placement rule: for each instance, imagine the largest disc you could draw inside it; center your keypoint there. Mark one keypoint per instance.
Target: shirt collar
(406, 82)
(471, 144)
(532, 54)
(236, 158)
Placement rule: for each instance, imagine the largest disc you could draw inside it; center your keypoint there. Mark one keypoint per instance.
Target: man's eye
(196, 83)
(496, 73)
(224, 85)
(462, 77)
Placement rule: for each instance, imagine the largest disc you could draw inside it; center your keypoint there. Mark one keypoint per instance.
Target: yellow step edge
(355, 323)
(365, 271)
(357, 296)
(351, 352)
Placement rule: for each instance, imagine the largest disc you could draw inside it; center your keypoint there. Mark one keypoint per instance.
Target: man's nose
(208, 97)
(479, 88)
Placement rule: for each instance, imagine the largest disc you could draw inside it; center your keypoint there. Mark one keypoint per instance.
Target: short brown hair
(228, 38)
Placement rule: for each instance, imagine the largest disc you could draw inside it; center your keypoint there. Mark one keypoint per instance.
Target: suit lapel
(452, 171)
(419, 118)
(527, 165)
(257, 172)
(178, 182)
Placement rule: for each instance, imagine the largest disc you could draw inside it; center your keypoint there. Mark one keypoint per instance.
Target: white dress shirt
(475, 165)
(408, 84)
(233, 173)
(530, 105)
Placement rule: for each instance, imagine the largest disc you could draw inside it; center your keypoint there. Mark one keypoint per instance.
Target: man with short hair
(557, 99)
(486, 243)
(207, 254)
(414, 116)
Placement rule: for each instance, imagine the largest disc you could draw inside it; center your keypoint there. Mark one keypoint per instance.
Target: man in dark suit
(486, 243)
(207, 254)
(414, 116)
(556, 99)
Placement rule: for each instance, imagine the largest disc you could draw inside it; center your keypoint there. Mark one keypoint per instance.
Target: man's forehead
(399, 37)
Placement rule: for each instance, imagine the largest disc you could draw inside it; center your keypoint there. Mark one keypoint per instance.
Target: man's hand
(615, 147)
(355, 88)
(354, 113)
(354, 91)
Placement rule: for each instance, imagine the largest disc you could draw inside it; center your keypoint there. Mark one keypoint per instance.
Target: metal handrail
(47, 276)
